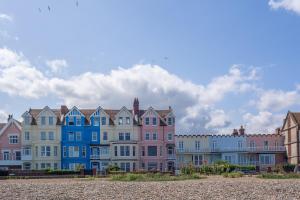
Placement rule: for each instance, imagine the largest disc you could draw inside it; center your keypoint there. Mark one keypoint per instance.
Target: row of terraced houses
(134, 139)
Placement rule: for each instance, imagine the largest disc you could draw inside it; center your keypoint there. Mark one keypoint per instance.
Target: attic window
(154, 122)
(96, 121)
(27, 120)
(147, 121)
(170, 121)
(71, 121)
(103, 120)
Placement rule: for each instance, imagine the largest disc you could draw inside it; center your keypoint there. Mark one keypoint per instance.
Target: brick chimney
(235, 132)
(242, 131)
(9, 117)
(64, 109)
(136, 107)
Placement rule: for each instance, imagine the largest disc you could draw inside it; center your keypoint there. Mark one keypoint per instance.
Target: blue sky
(219, 64)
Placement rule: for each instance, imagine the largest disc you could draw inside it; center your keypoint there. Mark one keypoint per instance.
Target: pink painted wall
(162, 140)
(259, 140)
(4, 141)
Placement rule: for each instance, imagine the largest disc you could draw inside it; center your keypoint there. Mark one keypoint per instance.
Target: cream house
(41, 137)
(290, 130)
(124, 141)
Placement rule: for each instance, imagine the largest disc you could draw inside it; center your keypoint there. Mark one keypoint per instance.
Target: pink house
(267, 149)
(157, 141)
(10, 144)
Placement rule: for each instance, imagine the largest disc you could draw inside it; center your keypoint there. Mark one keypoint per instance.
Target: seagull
(77, 3)
(166, 58)
(49, 8)
(40, 9)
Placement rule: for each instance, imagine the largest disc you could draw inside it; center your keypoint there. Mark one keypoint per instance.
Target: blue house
(79, 133)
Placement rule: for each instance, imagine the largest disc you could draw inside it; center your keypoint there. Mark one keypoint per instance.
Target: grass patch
(279, 176)
(152, 177)
(232, 175)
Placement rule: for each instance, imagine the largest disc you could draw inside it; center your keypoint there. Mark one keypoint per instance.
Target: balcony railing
(102, 156)
(232, 149)
(171, 156)
(94, 156)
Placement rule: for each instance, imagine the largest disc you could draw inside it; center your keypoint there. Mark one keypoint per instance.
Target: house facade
(157, 141)
(41, 139)
(10, 144)
(262, 150)
(80, 136)
(290, 129)
(124, 141)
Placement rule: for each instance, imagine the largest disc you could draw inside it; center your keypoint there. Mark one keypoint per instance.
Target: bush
(113, 168)
(279, 176)
(152, 177)
(232, 175)
(289, 167)
(188, 170)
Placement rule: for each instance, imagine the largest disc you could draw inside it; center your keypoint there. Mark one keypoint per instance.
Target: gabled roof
(295, 117)
(2, 125)
(6, 125)
(35, 112)
(99, 109)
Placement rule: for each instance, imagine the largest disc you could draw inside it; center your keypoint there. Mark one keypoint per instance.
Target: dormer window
(170, 119)
(120, 120)
(50, 120)
(78, 121)
(96, 121)
(147, 121)
(127, 120)
(103, 120)
(154, 121)
(43, 120)
(27, 120)
(71, 121)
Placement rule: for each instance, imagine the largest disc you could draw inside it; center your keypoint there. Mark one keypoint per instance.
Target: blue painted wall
(86, 130)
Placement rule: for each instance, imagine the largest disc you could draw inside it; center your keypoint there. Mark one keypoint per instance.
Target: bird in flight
(49, 8)
(40, 9)
(77, 3)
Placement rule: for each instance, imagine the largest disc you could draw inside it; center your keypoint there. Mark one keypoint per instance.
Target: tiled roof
(35, 112)
(2, 125)
(296, 116)
(88, 112)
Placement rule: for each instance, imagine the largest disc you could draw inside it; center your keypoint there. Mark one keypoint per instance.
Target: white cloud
(263, 122)
(57, 65)
(291, 5)
(5, 17)
(3, 116)
(194, 104)
(19, 77)
(277, 100)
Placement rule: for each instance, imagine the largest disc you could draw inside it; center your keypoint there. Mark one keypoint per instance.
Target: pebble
(213, 187)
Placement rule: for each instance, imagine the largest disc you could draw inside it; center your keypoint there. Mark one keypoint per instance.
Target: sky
(219, 64)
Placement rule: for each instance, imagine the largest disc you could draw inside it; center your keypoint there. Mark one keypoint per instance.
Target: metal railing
(232, 149)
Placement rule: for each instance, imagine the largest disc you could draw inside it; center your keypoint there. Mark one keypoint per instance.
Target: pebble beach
(209, 188)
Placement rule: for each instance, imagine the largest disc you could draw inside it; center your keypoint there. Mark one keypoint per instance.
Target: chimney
(64, 109)
(136, 109)
(242, 131)
(9, 117)
(235, 132)
(278, 131)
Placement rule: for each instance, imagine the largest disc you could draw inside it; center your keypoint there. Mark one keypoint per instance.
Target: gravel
(215, 187)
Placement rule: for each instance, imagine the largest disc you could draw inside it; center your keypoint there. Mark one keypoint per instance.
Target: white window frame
(13, 139)
(94, 136)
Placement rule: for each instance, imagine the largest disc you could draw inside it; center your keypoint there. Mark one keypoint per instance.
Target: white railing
(94, 156)
(235, 149)
(171, 156)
